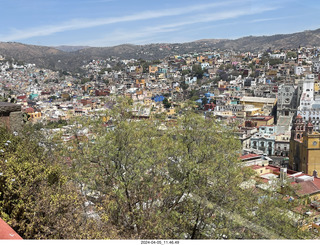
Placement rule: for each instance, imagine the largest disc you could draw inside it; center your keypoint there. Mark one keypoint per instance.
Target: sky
(102, 23)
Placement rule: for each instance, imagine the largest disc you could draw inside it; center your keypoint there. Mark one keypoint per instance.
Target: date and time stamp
(159, 242)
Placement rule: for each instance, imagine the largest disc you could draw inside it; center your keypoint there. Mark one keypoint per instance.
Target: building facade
(304, 148)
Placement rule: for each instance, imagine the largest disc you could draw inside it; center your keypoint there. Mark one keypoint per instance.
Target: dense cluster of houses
(272, 98)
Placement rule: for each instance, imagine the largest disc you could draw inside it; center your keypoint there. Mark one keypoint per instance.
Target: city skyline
(112, 22)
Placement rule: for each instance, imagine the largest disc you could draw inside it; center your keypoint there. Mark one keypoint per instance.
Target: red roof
(309, 124)
(7, 233)
(262, 118)
(273, 168)
(249, 156)
(29, 110)
(316, 181)
(306, 188)
(21, 97)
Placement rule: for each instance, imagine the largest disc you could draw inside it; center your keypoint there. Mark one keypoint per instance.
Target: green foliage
(3, 99)
(36, 198)
(204, 100)
(103, 70)
(105, 81)
(53, 97)
(147, 179)
(166, 103)
(184, 86)
(185, 72)
(197, 71)
(56, 124)
(291, 54)
(84, 80)
(273, 62)
(146, 175)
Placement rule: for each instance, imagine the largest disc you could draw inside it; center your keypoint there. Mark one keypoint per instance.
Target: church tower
(309, 127)
(298, 128)
(304, 148)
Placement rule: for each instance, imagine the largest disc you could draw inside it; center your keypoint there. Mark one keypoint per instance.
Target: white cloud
(271, 19)
(78, 24)
(134, 36)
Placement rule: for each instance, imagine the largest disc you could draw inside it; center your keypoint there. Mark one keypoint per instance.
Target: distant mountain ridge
(71, 58)
(67, 48)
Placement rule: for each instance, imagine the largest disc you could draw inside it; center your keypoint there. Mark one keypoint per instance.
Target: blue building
(158, 98)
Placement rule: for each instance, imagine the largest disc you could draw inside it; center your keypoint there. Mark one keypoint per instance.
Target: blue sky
(113, 22)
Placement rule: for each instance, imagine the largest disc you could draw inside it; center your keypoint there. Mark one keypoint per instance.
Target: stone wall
(11, 116)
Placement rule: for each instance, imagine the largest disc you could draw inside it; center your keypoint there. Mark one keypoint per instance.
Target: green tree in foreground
(145, 179)
(36, 198)
(184, 181)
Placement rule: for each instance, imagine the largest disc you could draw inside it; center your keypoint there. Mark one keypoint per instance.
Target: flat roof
(258, 99)
(269, 176)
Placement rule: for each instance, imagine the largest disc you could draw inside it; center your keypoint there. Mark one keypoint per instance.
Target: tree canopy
(143, 179)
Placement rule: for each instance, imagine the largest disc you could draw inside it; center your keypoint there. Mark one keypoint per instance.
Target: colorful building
(304, 148)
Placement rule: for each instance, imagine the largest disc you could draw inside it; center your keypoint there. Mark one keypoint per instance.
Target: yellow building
(272, 73)
(171, 111)
(35, 116)
(250, 111)
(262, 120)
(201, 58)
(258, 102)
(139, 69)
(141, 83)
(304, 148)
(147, 101)
(153, 69)
(162, 76)
(316, 86)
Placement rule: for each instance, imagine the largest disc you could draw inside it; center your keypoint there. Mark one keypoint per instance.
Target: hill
(72, 58)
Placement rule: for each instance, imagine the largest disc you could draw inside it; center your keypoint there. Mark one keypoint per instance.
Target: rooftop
(258, 99)
(250, 156)
(7, 233)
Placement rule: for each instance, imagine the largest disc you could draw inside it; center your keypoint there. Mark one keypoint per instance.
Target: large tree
(143, 179)
(178, 180)
(37, 199)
